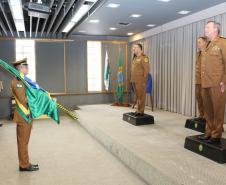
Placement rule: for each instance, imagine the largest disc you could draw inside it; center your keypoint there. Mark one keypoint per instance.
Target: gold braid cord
(68, 112)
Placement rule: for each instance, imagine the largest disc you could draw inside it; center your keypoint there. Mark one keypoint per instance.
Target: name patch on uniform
(19, 85)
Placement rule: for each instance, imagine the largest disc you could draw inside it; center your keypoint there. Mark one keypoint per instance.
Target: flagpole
(68, 112)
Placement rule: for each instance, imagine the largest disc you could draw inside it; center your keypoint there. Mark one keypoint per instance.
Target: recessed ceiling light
(92, 1)
(151, 25)
(82, 31)
(112, 28)
(94, 21)
(165, 0)
(135, 15)
(183, 12)
(113, 5)
(130, 33)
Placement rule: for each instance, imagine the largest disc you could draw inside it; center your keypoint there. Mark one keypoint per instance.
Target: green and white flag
(106, 72)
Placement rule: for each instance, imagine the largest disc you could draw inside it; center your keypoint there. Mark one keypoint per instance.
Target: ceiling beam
(63, 14)
(44, 24)
(30, 26)
(7, 20)
(55, 15)
(3, 27)
(25, 34)
(92, 10)
(36, 31)
(79, 3)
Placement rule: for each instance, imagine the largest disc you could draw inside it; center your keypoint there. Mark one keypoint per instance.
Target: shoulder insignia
(18, 85)
(146, 59)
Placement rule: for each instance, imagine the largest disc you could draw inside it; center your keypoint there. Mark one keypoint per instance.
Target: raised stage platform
(154, 152)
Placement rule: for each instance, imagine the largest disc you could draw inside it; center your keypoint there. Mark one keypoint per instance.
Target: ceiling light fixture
(151, 25)
(68, 27)
(183, 12)
(94, 21)
(135, 15)
(112, 28)
(113, 5)
(130, 33)
(164, 0)
(92, 1)
(17, 13)
(78, 15)
(82, 31)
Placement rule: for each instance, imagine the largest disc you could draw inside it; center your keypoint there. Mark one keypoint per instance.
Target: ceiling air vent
(124, 23)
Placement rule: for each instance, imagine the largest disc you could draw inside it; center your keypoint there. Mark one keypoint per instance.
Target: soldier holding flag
(22, 118)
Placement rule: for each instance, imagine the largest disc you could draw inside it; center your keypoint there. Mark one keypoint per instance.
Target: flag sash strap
(25, 116)
(23, 111)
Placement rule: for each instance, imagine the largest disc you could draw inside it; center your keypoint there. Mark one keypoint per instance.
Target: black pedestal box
(138, 120)
(215, 152)
(196, 124)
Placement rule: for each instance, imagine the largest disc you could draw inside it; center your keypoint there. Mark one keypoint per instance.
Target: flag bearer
(22, 118)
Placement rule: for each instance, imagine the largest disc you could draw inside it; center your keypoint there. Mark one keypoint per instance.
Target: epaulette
(146, 59)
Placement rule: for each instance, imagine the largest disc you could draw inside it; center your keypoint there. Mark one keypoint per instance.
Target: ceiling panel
(62, 11)
(152, 11)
